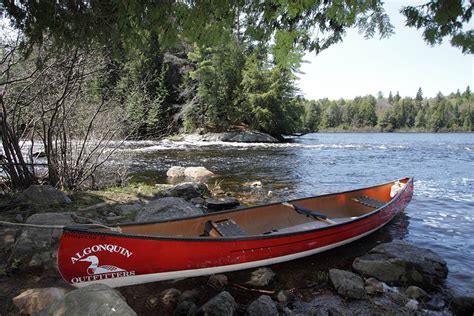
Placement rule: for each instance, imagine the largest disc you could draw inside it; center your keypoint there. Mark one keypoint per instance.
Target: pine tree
(419, 95)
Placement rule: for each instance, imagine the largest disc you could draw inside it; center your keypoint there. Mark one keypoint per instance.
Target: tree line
(441, 113)
(81, 77)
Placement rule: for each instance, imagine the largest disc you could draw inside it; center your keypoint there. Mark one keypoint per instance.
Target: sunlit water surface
(440, 216)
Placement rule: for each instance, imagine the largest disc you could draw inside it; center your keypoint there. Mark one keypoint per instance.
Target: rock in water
(33, 301)
(38, 247)
(249, 137)
(96, 299)
(197, 173)
(219, 204)
(400, 263)
(188, 190)
(261, 277)
(44, 195)
(347, 284)
(175, 172)
(223, 304)
(167, 208)
(264, 305)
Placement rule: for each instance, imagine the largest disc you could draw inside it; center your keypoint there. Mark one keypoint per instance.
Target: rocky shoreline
(246, 136)
(394, 278)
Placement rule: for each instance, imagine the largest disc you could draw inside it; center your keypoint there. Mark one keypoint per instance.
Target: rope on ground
(114, 229)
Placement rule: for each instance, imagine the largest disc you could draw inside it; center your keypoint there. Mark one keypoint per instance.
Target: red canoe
(228, 240)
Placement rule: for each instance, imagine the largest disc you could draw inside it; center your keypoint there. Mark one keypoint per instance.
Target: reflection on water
(440, 216)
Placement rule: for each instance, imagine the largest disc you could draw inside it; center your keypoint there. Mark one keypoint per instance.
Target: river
(440, 216)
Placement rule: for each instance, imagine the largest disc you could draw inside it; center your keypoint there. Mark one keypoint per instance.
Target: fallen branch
(252, 290)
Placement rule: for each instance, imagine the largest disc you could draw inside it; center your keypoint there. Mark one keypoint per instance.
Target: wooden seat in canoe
(365, 200)
(223, 228)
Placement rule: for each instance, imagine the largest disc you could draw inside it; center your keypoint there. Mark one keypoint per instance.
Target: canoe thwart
(309, 213)
(223, 228)
(365, 200)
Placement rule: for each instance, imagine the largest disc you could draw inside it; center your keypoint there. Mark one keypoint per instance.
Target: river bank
(322, 285)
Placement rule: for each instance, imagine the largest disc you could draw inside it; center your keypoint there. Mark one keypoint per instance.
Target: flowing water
(440, 216)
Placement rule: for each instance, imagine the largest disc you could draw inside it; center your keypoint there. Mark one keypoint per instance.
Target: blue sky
(402, 62)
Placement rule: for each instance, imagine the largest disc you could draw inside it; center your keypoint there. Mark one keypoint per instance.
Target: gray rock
(44, 195)
(189, 295)
(185, 308)
(37, 247)
(436, 303)
(217, 281)
(374, 286)
(127, 209)
(241, 137)
(412, 304)
(188, 190)
(261, 277)
(197, 173)
(220, 305)
(249, 137)
(396, 297)
(198, 201)
(96, 299)
(347, 284)
(323, 304)
(463, 305)
(175, 172)
(402, 264)
(167, 208)
(219, 204)
(33, 301)
(284, 296)
(170, 296)
(416, 293)
(264, 305)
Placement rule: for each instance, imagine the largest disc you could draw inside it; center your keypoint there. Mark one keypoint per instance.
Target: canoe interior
(272, 218)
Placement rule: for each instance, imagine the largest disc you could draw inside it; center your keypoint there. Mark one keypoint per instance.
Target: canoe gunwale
(87, 230)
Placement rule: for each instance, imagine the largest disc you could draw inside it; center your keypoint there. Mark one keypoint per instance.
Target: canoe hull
(117, 260)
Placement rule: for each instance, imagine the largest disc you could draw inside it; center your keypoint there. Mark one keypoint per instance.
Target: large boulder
(37, 247)
(188, 190)
(400, 263)
(249, 137)
(167, 208)
(197, 173)
(238, 136)
(347, 284)
(96, 299)
(264, 305)
(223, 304)
(175, 172)
(33, 301)
(44, 195)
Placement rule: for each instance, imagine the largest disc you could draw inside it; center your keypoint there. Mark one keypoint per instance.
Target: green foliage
(289, 25)
(443, 18)
(218, 74)
(441, 113)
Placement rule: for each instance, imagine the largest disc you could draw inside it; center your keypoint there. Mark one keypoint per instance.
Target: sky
(403, 62)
